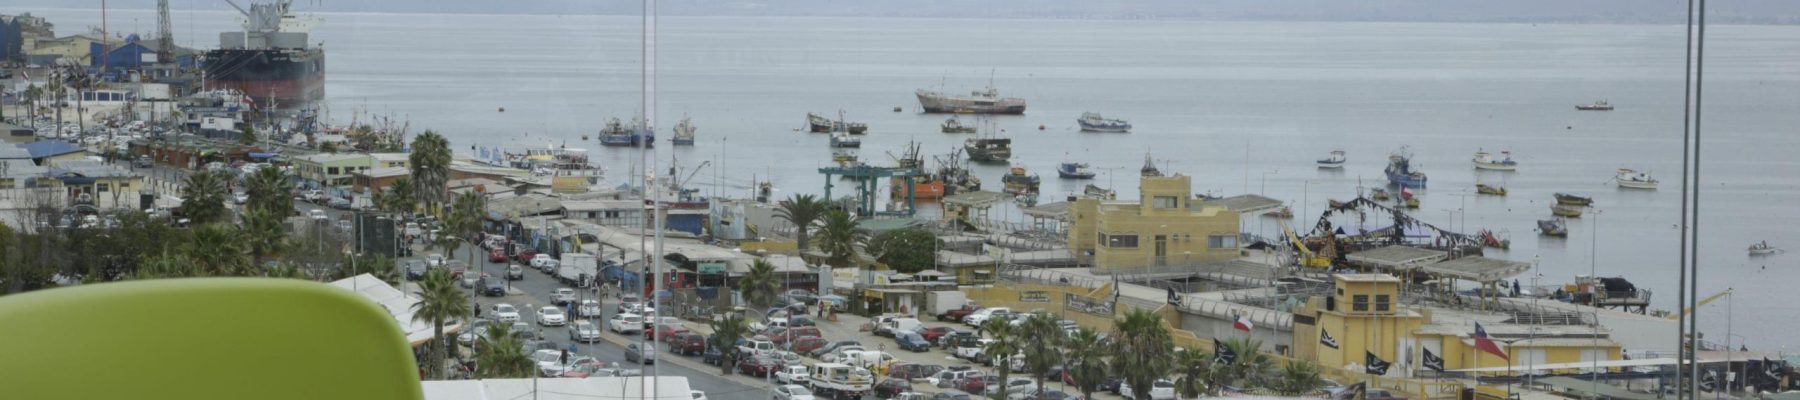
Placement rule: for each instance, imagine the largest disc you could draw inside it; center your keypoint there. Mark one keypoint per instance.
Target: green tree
(1005, 344)
(908, 250)
(403, 201)
(248, 137)
(759, 285)
(1297, 378)
(218, 250)
(501, 354)
(377, 266)
(839, 238)
(726, 331)
(328, 147)
(465, 219)
(430, 162)
(439, 303)
(802, 211)
(265, 233)
(1194, 374)
(1042, 351)
(1087, 354)
(1141, 350)
(168, 264)
(1248, 368)
(270, 189)
(203, 198)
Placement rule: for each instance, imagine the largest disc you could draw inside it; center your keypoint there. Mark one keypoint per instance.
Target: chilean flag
(1240, 323)
(1482, 342)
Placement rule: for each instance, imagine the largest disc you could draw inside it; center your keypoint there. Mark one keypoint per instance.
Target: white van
(894, 326)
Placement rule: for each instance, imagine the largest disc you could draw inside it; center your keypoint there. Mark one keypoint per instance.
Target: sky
(1560, 11)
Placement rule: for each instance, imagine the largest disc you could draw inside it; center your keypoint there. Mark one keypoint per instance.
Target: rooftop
(599, 205)
(89, 169)
(1366, 278)
(978, 199)
(1478, 268)
(1242, 204)
(323, 158)
(49, 148)
(1057, 211)
(1397, 256)
(385, 172)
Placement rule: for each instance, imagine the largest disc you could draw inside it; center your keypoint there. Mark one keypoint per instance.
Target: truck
(944, 301)
(578, 269)
(839, 381)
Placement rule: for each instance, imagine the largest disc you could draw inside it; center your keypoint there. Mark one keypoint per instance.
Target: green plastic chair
(210, 338)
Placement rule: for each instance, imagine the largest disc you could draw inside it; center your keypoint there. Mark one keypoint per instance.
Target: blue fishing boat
(618, 134)
(1075, 171)
(1400, 171)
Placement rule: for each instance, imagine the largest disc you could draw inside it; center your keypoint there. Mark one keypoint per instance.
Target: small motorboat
(1379, 194)
(953, 125)
(1075, 171)
(1486, 161)
(898, 109)
(1564, 210)
(1017, 182)
(1573, 200)
(1486, 189)
(1333, 161)
(1763, 248)
(1601, 105)
(1407, 200)
(1633, 179)
(1552, 228)
(1336, 205)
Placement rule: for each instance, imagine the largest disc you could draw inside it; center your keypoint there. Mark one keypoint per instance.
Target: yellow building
(1164, 227)
(1361, 316)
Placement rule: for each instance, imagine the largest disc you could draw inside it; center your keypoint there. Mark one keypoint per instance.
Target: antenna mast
(165, 42)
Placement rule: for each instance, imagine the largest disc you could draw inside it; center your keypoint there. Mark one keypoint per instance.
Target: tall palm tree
(1087, 353)
(1297, 378)
(430, 161)
(1141, 351)
(726, 332)
(1042, 351)
(1194, 374)
(203, 198)
(1005, 345)
(802, 211)
(264, 233)
(268, 189)
(404, 201)
(218, 250)
(501, 354)
(1247, 368)
(758, 286)
(439, 302)
(839, 238)
(465, 219)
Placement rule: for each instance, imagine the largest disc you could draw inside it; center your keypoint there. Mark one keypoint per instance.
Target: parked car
(416, 269)
(339, 203)
(759, 367)
(829, 347)
(552, 316)
(523, 254)
(977, 384)
(504, 313)
(625, 323)
(496, 256)
(1162, 389)
(792, 392)
(629, 304)
(584, 331)
(538, 260)
(664, 333)
(1013, 385)
(493, 287)
(531, 335)
(688, 344)
(806, 345)
(640, 354)
(317, 215)
(912, 341)
(956, 315)
(712, 356)
(562, 296)
(914, 372)
(588, 309)
(950, 377)
(780, 337)
(932, 334)
(515, 272)
(791, 374)
(889, 388)
(477, 330)
(800, 296)
(983, 315)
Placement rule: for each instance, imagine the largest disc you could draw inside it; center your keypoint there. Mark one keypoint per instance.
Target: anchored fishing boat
(953, 125)
(1400, 171)
(818, 124)
(1563, 210)
(1552, 228)
(1601, 105)
(925, 186)
(1093, 122)
(1573, 200)
(1016, 182)
(684, 132)
(1763, 248)
(1629, 178)
(844, 141)
(616, 133)
(1379, 194)
(1075, 171)
(1407, 200)
(956, 179)
(1333, 161)
(988, 149)
(1486, 189)
(1490, 240)
(1486, 161)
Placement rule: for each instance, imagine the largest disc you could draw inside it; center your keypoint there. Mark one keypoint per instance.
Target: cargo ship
(985, 101)
(270, 60)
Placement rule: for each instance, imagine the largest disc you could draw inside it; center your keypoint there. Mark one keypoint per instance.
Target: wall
(1056, 301)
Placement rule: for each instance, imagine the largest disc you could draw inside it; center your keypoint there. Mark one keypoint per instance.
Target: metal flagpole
(1687, 86)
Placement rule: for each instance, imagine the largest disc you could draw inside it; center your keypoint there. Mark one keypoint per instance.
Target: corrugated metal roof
(1397, 256)
(49, 148)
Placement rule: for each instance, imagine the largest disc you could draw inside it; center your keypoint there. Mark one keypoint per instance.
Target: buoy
(1040, 127)
(502, 109)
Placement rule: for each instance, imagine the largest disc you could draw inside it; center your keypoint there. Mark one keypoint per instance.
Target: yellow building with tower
(1164, 227)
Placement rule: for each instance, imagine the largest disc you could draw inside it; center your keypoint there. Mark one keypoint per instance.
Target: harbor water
(1244, 107)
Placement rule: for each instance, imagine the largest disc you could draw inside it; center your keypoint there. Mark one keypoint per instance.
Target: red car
(497, 256)
(523, 254)
(977, 384)
(691, 344)
(794, 333)
(932, 334)
(758, 367)
(665, 332)
(806, 345)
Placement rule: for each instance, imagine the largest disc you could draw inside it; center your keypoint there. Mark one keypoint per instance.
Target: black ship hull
(281, 77)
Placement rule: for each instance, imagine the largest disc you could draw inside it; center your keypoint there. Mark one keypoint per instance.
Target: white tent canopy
(397, 304)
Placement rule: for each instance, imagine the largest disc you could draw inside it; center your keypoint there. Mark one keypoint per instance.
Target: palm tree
(402, 197)
(430, 161)
(264, 233)
(1004, 346)
(1087, 353)
(758, 286)
(203, 198)
(1041, 352)
(439, 303)
(1247, 368)
(218, 250)
(1297, 378)
(501, 354)
(839, 238)
(1194, 374)
(268, 189)
(802, 211)
(1141, 351)
(465, 220)
(726, 332)
(168, 264)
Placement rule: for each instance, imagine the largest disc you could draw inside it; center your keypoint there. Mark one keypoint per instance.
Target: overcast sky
(1570, 11)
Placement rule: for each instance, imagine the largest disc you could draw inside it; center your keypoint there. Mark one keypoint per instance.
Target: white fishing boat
(1334, 161)
(1483, 160)
(1763, 248)
(1629, 178)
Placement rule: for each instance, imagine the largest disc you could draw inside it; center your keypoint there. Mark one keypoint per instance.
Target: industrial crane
(1701, 303)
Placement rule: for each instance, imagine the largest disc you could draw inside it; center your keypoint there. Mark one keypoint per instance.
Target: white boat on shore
(1486, 161)
(1633, 179)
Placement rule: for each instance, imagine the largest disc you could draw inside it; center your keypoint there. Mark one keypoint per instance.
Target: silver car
(640, 354)
(584, 331)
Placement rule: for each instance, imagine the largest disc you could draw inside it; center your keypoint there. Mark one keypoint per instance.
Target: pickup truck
(956, 315)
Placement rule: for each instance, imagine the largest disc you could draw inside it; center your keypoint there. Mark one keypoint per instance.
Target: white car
(317, 215)
(549, 362)
(475, 330)
(562, 296)
(538, 261)
(1162, 389)
(552, 316)
(505, 313)
(588, 308)
(1013, 385)
(980, 316)
(584, 331)
(792, 392)
(795, 374)
(623, 323)
(434, 259)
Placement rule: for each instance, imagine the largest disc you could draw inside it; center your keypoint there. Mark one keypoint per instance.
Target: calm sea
(1240, 106)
